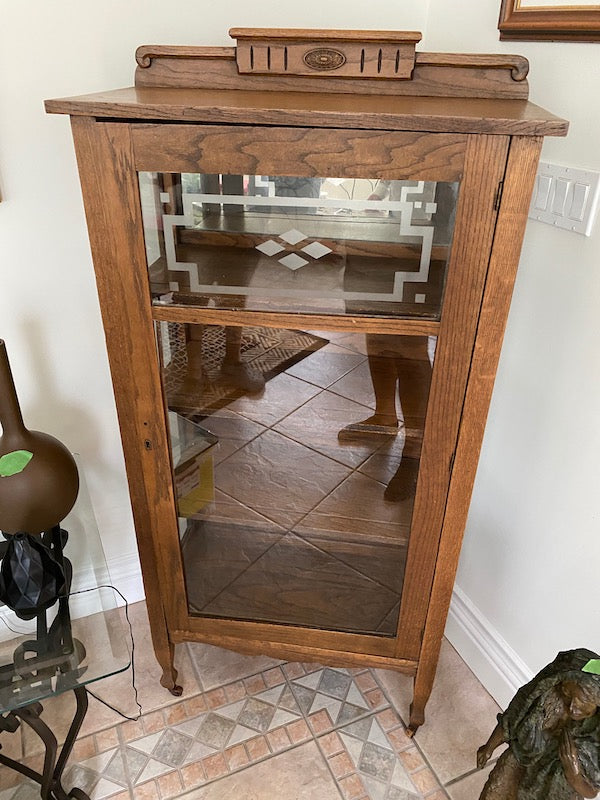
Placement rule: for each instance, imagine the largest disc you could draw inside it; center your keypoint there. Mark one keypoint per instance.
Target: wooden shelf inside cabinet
(309, 242)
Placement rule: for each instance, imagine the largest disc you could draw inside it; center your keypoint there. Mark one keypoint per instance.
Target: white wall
(531, 549)
(530, 558)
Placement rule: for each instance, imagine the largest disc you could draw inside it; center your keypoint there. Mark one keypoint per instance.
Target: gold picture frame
(559, 20)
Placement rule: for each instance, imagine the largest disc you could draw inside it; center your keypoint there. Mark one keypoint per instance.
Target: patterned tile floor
(268, 729)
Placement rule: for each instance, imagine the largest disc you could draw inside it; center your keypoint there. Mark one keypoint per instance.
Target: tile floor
(256, 728)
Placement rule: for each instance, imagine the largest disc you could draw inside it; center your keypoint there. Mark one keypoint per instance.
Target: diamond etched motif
(316, 250)
(293, 261)
(269, 248)
(292, 236)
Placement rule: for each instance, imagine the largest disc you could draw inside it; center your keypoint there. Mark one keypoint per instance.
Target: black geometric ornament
(31, 580)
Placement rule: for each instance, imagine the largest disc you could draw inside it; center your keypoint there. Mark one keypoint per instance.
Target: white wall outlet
(566, 197)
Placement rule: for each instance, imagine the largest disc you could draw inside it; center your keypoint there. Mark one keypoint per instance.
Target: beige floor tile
(228, 509)
(459, 717)
(118, 691)
(326, 365)
(357, 385)
(383, 465)
(356, 503)
(469, 788)
(215, 554)
(11, 746)
(356, 342)
(232, 430)
(217, 667)
(278, 477)
(334, 596)
(281, 395)
(318, 422)
(299, 774)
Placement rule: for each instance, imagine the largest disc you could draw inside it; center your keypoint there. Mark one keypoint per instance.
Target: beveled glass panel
(306, 245)
(296, 456)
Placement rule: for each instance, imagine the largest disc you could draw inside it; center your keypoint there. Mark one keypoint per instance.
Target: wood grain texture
(473, 234)
(212, 231)
(247, 150)
(147, 53)
(296, 652)
(378, 112)
(508, 238)
(217, 316)
(518, 65)
(233, 572)
(575, 24)
(434, 75)
(111, 199)
(263, 634)
(192, 111)
(318, 58)
(319, 34)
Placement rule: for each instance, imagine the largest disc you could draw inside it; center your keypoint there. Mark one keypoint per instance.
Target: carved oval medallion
(324, 58)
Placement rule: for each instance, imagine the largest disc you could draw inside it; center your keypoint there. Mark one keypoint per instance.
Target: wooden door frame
(107, 163)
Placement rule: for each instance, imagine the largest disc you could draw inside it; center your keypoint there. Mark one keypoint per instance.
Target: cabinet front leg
(416, 718)
(166, 659)
(423, 685)
(164, 649)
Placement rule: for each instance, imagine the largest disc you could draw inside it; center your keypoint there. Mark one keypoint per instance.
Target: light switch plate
(566, 197)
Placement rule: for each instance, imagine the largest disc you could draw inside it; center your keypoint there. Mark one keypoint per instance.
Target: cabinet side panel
(484, 169)
(510, 228)
(112, 206)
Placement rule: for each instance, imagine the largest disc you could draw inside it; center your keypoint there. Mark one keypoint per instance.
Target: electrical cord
(135, 691)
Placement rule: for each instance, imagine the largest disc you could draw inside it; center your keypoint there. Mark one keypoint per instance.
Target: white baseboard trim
(497, 666)
(126, 575)
(123, 573)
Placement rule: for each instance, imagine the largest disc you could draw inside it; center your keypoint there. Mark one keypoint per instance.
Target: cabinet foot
(169, 681)
(415, 720)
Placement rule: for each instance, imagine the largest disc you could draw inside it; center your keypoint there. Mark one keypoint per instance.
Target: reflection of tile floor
(265, 729)
(279, 466)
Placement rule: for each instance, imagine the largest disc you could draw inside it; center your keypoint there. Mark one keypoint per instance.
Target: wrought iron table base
(50, 779)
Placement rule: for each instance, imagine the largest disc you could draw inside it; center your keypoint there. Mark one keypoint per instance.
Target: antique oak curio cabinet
(305, 247)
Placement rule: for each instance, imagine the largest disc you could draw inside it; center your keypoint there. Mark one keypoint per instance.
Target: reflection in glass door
(298, 244)
(296, 455)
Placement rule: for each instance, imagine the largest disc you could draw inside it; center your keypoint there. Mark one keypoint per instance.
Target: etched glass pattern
(297, 244)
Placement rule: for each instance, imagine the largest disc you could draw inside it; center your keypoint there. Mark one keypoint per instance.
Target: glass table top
(83, 637)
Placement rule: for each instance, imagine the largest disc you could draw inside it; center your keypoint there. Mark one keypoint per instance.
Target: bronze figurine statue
(552, 728)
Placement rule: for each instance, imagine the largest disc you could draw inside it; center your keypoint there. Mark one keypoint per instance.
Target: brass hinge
(498, 195)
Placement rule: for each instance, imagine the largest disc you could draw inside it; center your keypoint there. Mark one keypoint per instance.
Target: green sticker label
(15, 462)
(593, 667)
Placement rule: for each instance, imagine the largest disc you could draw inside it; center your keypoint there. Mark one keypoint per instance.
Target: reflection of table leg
(50, 778)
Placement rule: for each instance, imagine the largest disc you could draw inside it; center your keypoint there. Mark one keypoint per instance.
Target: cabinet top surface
(325, 79)
(316, 109)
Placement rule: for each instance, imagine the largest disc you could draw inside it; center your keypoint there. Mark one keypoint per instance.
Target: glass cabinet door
(348, 246)
(296, 452)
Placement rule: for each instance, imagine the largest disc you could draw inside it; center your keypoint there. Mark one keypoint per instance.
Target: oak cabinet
(305, 248)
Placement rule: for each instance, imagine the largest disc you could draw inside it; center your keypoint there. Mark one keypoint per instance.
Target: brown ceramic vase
(43, 493)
